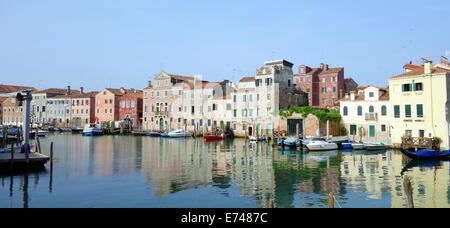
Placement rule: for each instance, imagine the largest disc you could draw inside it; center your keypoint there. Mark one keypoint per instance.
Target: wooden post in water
(51, 168)
(12, 155)
(407, 186)
(331, 200)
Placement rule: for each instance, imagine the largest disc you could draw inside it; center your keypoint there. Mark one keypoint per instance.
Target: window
(214, 107)
(289, 83)
(371, 109)
(408, 133)
(418, 87)
(360, 111)
(419, 111)
(371, 94)
(228, 107)
(345, 111)
(235, 113)
(234, 98)
(406, 88)
(408, 111)
(334, 90)
(383, 128)
(396, 111)
(421, 133)
(383, 110)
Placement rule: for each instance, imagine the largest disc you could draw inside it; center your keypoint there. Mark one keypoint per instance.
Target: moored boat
(213, 137)
(92, 130)
(427, 154)
(374, 146)
(319, 145)
(179, 134)
(290, 142)
(154, 134)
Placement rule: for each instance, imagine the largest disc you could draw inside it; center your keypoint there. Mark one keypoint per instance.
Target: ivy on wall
(321, 114)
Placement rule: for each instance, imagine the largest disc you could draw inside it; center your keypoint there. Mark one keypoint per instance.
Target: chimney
(428, 67)
(82, 90)
(122, 90)
(352, 95)
(324, 66)
(149, 83)
(68, 90)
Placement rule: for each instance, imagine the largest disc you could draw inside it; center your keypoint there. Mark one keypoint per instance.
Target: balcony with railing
(371, 116)
(162, 113)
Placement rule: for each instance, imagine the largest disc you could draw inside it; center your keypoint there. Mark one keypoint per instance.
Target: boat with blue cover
(92, 130)
(426, 154)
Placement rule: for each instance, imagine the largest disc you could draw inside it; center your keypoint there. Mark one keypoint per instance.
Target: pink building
(131, 108)
(107, 105)
(324, 85)
(83, 109)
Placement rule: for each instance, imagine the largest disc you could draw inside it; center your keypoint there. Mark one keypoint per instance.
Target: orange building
(83, 109)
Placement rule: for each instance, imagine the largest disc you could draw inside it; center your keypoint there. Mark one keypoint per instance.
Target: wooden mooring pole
(331, 200)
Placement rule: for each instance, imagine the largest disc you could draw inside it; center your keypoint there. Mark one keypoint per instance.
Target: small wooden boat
(427, 154)
(213, 137)
(375, 146)
(290, 142)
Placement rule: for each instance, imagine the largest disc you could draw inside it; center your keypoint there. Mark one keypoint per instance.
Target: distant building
(12, 113)
(131, 108)
(256, 100)
(350, 85)
(39, 103)
(107, 105)
(324, 85)
(2, 99)
(83, 109)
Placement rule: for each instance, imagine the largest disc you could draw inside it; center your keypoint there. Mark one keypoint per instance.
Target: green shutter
(397, 111)
(408, 111)
(414, 86)
(352, 129)
(419, 111)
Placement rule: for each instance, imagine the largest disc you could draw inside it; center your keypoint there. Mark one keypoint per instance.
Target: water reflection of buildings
(176, 165)
(304, 173)
(380, 175)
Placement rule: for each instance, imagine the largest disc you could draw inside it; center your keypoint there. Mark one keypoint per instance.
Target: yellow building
(420, 102)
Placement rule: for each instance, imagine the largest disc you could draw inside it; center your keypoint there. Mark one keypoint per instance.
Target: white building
(366, 114)
(256, 100)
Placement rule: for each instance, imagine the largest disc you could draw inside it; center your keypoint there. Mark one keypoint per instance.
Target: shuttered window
(397, 111)
(419, 111)
(408, 111)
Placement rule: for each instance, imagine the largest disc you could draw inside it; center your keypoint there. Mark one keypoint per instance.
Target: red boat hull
(212, 138)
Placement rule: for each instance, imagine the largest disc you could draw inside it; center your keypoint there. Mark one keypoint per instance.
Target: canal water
(128, 171)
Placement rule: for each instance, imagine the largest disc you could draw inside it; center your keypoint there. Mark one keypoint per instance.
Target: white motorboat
(253, 138)
(375, 146)
(179, 134)
(92, 130)
(40, 133)
(358, 146)
(319, 145)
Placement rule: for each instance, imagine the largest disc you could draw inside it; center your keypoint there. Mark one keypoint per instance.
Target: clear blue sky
(105, 43)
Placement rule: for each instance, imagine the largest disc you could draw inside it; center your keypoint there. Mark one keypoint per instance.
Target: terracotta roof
(56, 91)
(13, 89)
(421, 71)
(410, 66)
(117, 92)
(384, 96)
(365, 87)
(227, 97)
(247, 79)
(311, 71)
(84, 95)
(139, 95)
(3, 99)
(182, 78)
